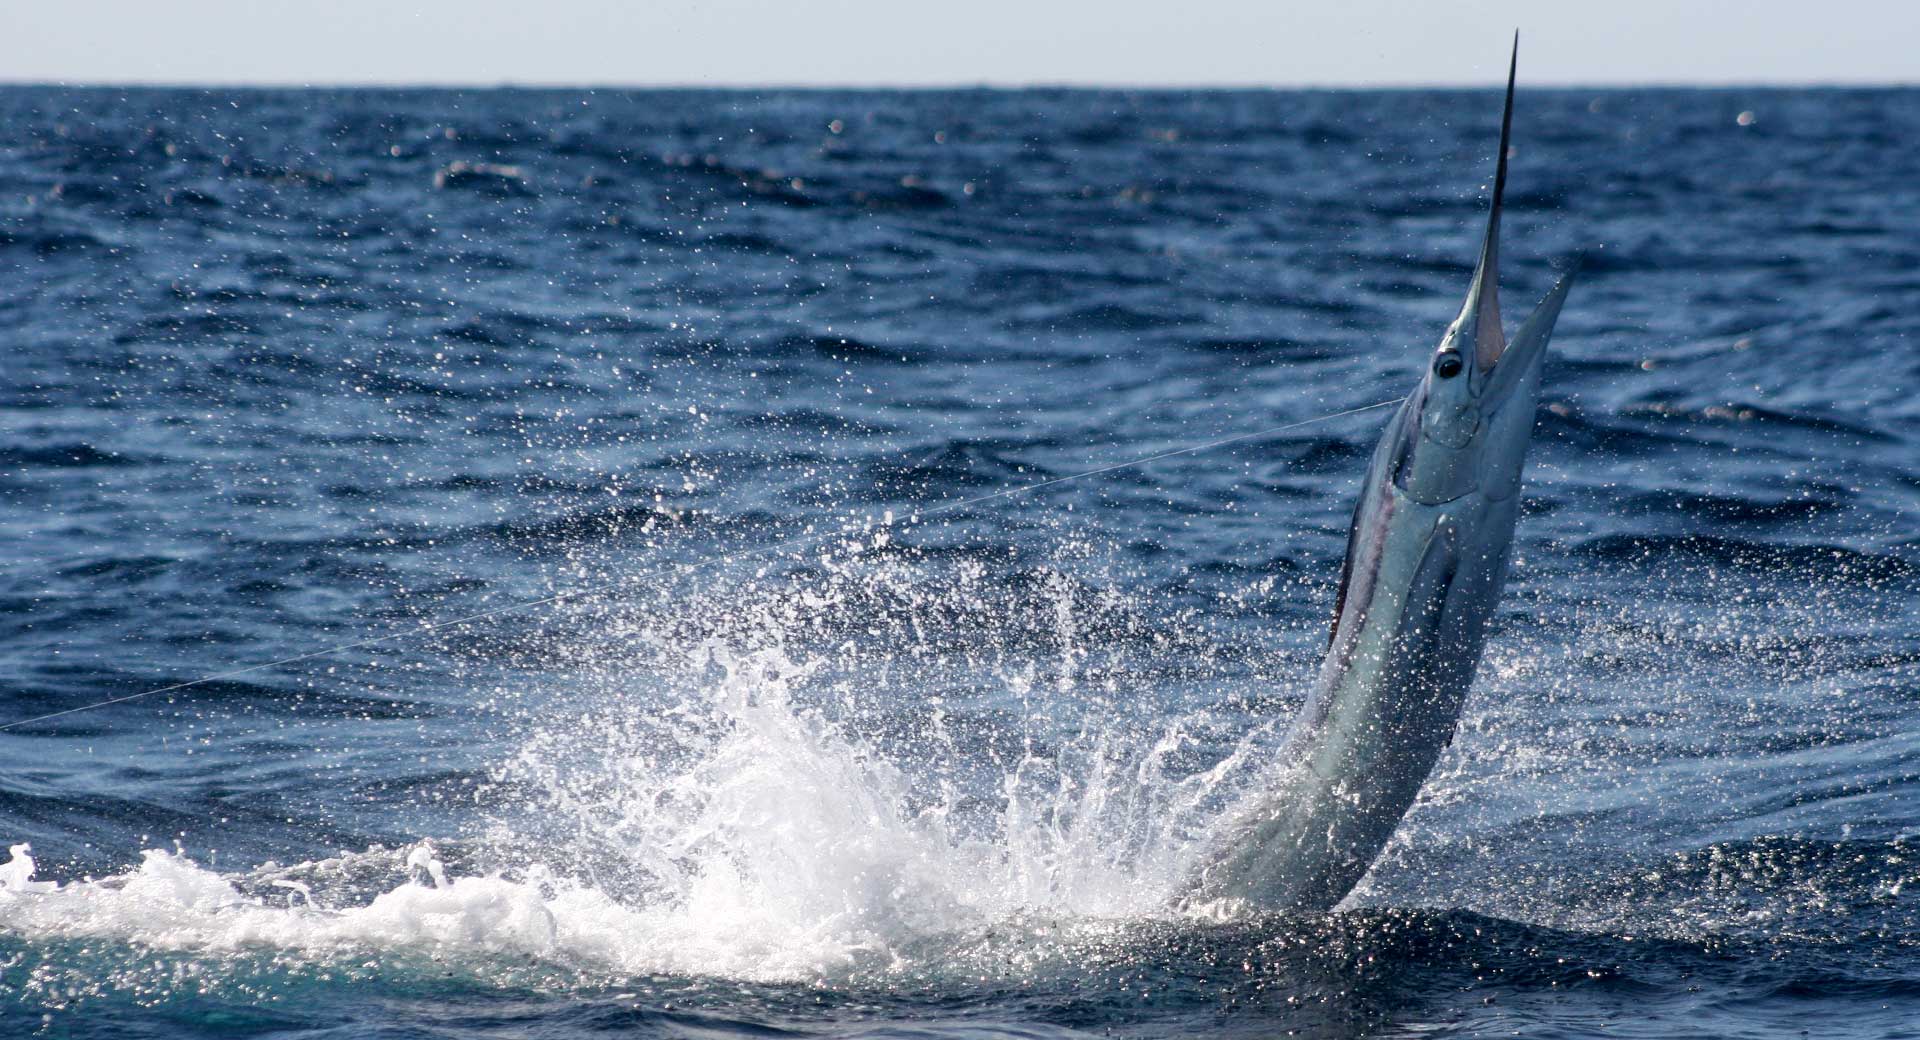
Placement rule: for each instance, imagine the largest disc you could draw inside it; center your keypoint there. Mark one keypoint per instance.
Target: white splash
(772, 848)
(702, 813)
(171, 903)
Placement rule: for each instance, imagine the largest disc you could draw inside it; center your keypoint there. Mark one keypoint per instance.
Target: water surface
(290, 369)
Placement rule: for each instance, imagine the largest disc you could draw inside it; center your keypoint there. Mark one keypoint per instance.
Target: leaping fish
(1426, 561)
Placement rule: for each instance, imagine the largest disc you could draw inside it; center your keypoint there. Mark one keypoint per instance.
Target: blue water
(291, 369)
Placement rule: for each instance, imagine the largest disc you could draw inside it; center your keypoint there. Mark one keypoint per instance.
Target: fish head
(1466, 428)
(1468, 424)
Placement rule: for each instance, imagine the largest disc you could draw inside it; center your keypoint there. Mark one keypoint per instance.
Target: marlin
(1426, 561)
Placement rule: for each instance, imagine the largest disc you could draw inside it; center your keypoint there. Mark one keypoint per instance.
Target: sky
(922, 42)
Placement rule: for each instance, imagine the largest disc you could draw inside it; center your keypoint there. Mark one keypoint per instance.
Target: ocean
(653, 501)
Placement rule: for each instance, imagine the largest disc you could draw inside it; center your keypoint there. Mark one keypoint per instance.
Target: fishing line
(915, 517)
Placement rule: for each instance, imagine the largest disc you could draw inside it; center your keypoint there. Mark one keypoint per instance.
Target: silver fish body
(1426, 562)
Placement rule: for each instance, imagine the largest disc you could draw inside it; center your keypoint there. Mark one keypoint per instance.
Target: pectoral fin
(1425, 615)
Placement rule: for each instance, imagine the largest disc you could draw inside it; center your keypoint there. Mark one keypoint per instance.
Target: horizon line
(1010, 86)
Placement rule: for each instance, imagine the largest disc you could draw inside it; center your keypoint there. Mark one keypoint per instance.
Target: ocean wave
(942, 770)
(1713, 551)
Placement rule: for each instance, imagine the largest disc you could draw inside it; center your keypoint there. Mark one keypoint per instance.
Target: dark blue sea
(657, 438)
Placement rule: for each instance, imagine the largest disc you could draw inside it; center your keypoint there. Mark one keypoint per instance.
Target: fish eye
(1447, 364)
